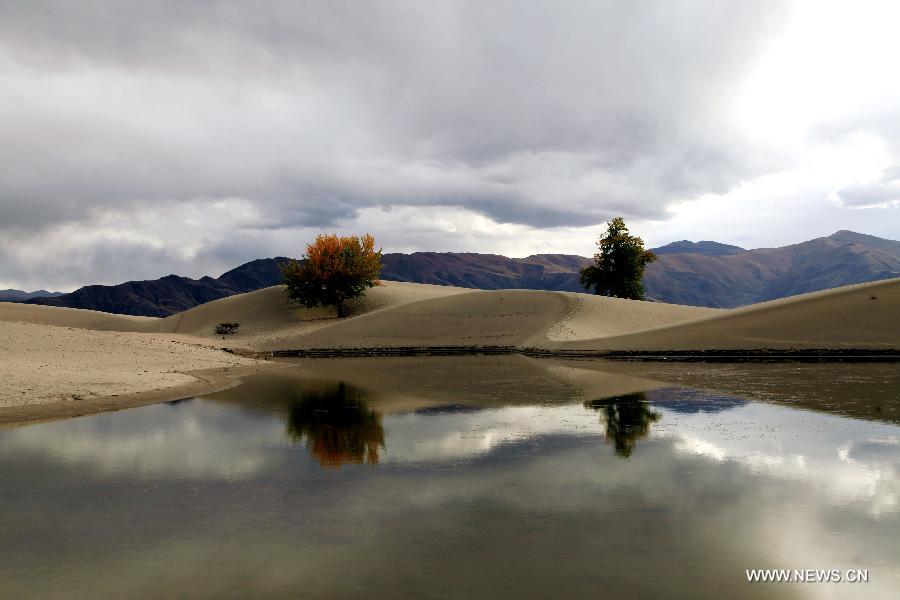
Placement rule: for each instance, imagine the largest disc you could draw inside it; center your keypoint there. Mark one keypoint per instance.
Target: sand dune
(407, 314)
(74, 317)
(42, 364)
(66, 361)
(267, 318)
(262, 312)
(593, 316)
(474, 318)
(494, 318)
(865, 316)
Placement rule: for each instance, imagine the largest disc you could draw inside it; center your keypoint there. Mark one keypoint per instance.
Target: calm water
(482, 483)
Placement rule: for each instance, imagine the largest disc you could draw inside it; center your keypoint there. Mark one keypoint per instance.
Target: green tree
(619, 264)
(628, 419)
(333, 270)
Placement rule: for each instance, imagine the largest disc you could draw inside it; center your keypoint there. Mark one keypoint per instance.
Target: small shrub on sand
(226, 328)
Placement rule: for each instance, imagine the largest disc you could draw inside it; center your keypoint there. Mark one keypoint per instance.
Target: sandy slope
(87, 359)
(268, 319)
(44, 363)
(74, 317)
(859, 316)
(408, 314)
(862, 316)
(597, 316)
(474, 318)
(494, 318)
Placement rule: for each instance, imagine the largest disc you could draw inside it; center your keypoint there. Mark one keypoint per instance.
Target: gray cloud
(871, 195)
(536, 114)
(312, 104)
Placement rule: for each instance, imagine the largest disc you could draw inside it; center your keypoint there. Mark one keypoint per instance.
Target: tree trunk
(340, 309)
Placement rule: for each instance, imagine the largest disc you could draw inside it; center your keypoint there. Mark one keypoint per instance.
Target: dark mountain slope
(171, 294)
(255, 275)
(485, 271)
(704, 247)
(700, 274)
(843, 258)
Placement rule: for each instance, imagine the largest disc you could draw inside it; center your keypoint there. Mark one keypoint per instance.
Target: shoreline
(735, 355)
(207, 381)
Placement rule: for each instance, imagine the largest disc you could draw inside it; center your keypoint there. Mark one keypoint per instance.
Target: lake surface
(451, 478)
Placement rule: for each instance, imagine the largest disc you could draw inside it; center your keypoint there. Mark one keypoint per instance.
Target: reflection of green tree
(628, 419)
(337, 426)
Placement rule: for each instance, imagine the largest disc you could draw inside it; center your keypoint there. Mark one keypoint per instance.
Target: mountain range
(695, 273)
(19, 295)
(702, 273)
(170, 294)
(751, 276)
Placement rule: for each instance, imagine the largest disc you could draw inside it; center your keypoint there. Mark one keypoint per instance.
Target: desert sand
(56, 371)
(62, 359)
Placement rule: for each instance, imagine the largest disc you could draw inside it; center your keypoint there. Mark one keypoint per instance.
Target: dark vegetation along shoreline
(753, 355)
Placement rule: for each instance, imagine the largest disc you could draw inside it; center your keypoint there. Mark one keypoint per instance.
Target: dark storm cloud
(315, 109)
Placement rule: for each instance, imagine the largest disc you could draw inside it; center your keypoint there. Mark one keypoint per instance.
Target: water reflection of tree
(628, 419)
(337, 426)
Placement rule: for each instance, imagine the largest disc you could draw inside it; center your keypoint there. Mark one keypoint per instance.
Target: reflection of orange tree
(337, 426)
(628, 419)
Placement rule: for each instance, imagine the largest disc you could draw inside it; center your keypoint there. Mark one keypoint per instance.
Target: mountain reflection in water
(337, 426)
(628, 419)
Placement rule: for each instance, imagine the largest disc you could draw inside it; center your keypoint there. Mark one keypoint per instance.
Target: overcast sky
(146, 138)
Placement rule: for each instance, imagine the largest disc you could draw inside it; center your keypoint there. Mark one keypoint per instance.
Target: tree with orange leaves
(333, 270)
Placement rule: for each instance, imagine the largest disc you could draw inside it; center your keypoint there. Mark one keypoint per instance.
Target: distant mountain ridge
(728, 281)
(699, 274)
(485, 271)
(170, 294)
(695, 273)
(705, 247)
(20, 295)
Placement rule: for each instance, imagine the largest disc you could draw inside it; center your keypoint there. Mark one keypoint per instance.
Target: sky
(190, 136)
